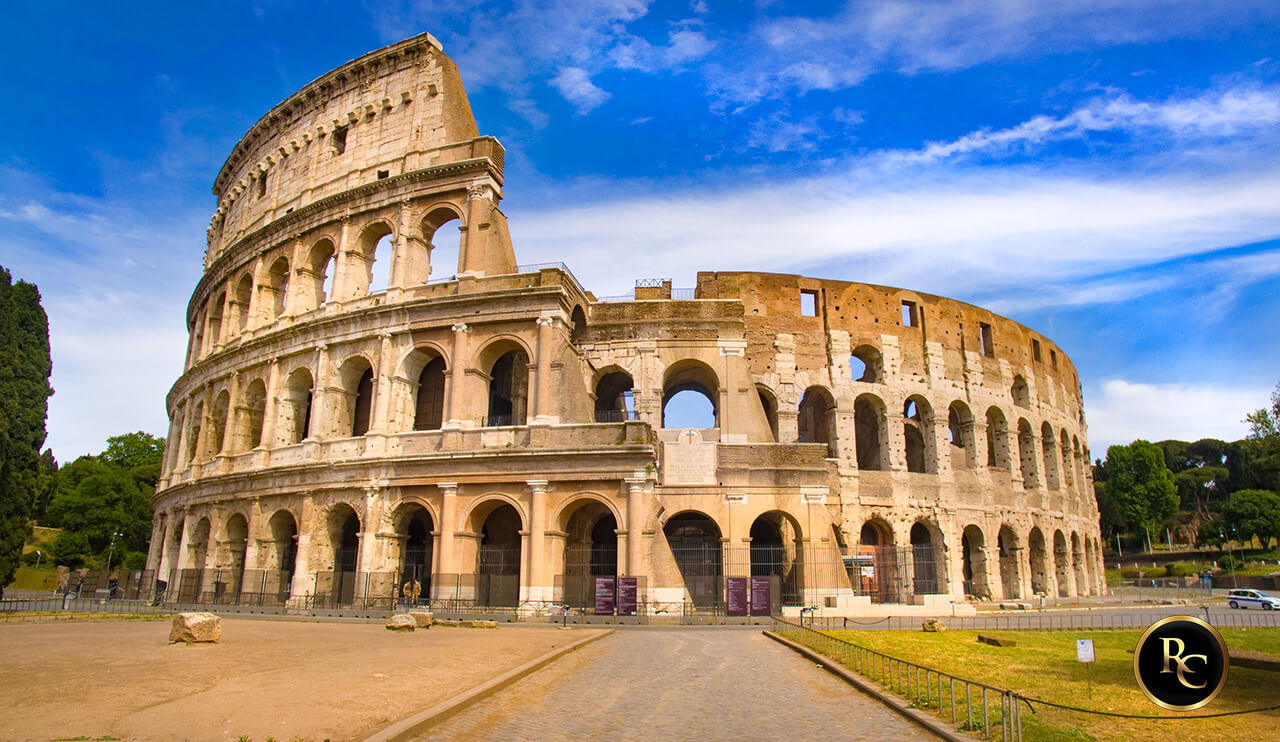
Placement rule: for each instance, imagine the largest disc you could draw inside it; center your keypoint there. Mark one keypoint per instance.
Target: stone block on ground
(446, 622)
(996, 641)
(422, 618)
(401, 622)
(480, 624)
(933, 625)
(195, 627)
(1010, 606)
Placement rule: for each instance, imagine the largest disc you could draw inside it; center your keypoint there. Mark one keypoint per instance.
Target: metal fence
(1057, 620)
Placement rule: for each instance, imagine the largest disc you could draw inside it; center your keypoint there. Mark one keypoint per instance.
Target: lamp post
(1234, 582)
(38, 555)
(111, 552)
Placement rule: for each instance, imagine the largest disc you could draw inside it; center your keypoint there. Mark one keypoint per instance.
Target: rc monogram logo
(1181, 663)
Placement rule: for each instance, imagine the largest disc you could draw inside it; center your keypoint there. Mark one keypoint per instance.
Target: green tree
(1139, 485)
(24, 402)
(96, 499)
(1250, 513)
(1265, 422)
(141, 454)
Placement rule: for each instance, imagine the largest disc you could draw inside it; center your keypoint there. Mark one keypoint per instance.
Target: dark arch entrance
(976, 582)
(344, 539)
(509, 389)
(414, 525)
(228, 587)
(924, 561)
(776, 553)
(590, 552)
(429, 409)
(876, 564)
(498, 572)
(695, 543)
(284, 537)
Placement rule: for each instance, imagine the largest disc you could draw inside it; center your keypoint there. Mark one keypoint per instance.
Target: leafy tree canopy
(1250, 513)
(1265, 422)
(1139, 485)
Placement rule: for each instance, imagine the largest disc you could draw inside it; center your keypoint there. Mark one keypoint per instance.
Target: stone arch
(1078, 561)
(960, 435)
(1037, 552)
(500, 551)
(373, 254)
(255, 404)
(1020, 392)
(1049, 449)
(484, 506)
(928, 558)
(695, 541)
(769, 403)
(1009, 546)
(321, 265)
(577, 324)
(977, 581)
(1027, 454)
(198, 545)
(816, 418)
(870, 429)
(356, 410)
(866, 364)
(343, 528)
(296, 410)
(278, 285)
(237, 546)
(221, 416)
(997, 439)
(590, 524)
(240, 304)
(917, 429)
(444, 258)
(505, 360)
(1061, 563)
(425, 370)
(777, 552)
(193, 452)
(413, 524)
(282, 552)
(876, 548)
(691, 375)
(615, 395)
(213, 322)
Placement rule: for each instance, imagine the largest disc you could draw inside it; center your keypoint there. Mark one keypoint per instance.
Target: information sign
(761, 596)
(1084, 650)
(628, 596)
(736, 598)
(604, 596)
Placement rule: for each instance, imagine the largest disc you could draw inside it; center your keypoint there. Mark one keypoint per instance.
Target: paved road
(659, 683)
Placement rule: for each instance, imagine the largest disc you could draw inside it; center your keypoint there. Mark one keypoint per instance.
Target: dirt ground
(288, 680)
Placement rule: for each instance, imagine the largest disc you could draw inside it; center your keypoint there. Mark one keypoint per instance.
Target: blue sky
(1106, 172)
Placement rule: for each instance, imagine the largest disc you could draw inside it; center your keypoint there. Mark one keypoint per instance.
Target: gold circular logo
(1181, 663)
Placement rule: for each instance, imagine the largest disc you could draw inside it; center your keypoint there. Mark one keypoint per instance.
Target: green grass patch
(1043, 666)
(30, 578)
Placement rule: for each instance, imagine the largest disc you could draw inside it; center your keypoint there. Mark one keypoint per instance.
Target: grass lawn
(1043, 665)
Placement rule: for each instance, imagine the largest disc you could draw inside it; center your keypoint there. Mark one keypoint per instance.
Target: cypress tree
(24, 404)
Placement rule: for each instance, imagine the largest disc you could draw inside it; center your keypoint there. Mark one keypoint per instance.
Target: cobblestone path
(678, 684)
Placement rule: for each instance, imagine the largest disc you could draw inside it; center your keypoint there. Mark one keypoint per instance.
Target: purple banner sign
(736, 596)
(761, 596)
(604, 596)
(628, 595)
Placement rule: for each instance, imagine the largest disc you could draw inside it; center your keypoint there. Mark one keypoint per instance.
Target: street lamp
(111, 552)
(1234, 581)
(38, 555)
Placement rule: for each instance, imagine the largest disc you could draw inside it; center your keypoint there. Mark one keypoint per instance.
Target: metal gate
(498, 576)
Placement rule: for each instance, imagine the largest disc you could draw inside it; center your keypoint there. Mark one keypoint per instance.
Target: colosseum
(380, 404)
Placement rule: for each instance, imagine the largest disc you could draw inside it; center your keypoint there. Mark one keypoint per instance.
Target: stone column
(539, 589)
(155, 549)
(321, 398)
(366, 558)
(270, 408)
(303, 578)
(458, 379)
(299, 270)
(472, 243)
(237, 421)
(543, 412)
(342, 261)
(446, 566)
(635, 526)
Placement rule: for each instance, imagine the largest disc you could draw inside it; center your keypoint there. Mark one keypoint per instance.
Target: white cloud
(575, 85)
(1128, 410)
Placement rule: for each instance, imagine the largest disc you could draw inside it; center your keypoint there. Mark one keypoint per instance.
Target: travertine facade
(489, 432)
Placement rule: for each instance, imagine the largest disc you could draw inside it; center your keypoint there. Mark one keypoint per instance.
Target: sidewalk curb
(922, 718)
(420, 722)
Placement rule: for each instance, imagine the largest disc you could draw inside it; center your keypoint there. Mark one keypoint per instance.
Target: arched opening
(240, 306)
(237, 548)
(321, 262)
(375, 254)
(498, 570)
(1068, 478)
(866, 365)
(1009, 548)
(428, 411)
(279, 277)
(769, 403)
(877, 563)
(509, 389)
(1061, 564)
(615, 398)
(816, 418)
(296, 426)
(590, 552)
(192, 585)
(1027, 454)
(927, 565)
(221, 413)
(579, 321)
(1050, 450)
(776, 553)
(868, 424)
(690, 391)
(193, 435)
(356, 375)
(976, 582)
(960, 436)
(344, 543)
(1078, 559)
(997, 439)
(695, 543)
(255, 402)
(278, 580)
(413, 526)
(197, 340)
(443, 259)
(916, 416)
(1039, 563)
(214, 323)
(1020, 392)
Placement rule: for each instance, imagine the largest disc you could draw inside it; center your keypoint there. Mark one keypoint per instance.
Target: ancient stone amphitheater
(379, 403)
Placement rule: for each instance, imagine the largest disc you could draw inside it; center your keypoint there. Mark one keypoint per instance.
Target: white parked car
(1252, 599)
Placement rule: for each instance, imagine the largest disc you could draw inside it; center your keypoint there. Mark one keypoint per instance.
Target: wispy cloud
(575, 85)
(1120, 411)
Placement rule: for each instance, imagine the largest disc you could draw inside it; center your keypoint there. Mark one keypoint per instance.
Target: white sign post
(1084, 653)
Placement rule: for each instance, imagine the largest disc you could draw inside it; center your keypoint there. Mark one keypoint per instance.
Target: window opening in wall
(689, 408)
(910, 314)
(364, 404)
(262, 185)
(988, 341)
(429, 412)
(866, 364)
(380, 268)
(1053, 359)
(384, 174)
(327, 278)
(808, 303)
(1035, 350)
(509, 389)
(615, 401)
(340, 140)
